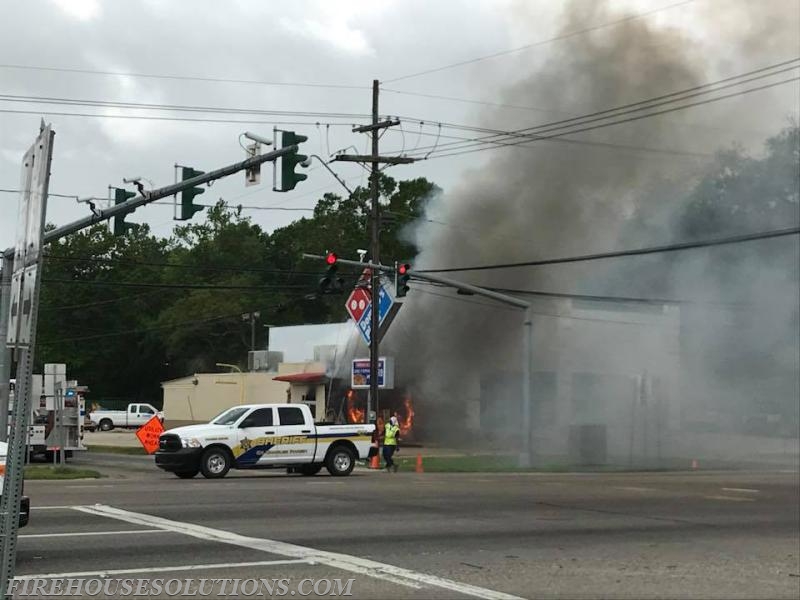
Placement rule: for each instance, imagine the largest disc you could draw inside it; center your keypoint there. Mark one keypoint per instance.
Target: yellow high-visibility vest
(390, 439)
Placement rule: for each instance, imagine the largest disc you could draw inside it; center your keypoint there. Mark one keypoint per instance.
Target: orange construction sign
(149, 433)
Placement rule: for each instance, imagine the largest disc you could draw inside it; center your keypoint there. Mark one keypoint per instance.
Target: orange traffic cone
(419, 468)
(694, 464)
(375, 462)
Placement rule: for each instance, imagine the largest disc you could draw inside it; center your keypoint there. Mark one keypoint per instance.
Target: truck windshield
(230, 416)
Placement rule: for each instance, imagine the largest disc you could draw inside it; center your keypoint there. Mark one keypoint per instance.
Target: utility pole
(375, 160)
(252, 316)
(375, 252)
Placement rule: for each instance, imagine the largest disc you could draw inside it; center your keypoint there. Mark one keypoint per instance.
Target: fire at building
(392, 403)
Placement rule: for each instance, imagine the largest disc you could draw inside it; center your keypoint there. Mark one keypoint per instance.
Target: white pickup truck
(263, 436)
(135, 416)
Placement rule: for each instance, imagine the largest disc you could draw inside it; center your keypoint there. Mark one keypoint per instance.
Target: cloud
(83, 10)
(337, 32)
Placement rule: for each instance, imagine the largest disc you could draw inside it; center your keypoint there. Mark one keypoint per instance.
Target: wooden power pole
(375, 160)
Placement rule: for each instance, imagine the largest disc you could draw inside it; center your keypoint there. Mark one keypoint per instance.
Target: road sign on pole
(357, 303)
(21, 335)
(364, 323)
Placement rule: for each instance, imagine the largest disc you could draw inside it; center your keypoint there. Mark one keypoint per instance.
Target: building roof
(314, 377)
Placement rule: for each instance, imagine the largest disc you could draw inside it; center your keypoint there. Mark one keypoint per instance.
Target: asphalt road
(654, 535)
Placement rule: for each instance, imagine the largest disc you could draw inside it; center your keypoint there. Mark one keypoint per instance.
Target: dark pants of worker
(388, 453)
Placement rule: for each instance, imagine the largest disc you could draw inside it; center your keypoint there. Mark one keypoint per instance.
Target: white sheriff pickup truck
(263, 436)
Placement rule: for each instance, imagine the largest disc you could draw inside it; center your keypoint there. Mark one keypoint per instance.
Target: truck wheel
(340, 461)
(309, 470)
(186, 474)
(106, 425)
(215, 463)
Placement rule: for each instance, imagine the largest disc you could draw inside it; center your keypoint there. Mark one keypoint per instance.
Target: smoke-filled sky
(344, 43)
(594, 194)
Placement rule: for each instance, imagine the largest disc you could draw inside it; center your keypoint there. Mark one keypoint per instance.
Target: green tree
(125, 313)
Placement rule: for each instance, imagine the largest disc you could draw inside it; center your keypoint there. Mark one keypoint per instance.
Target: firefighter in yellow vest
(391, 438)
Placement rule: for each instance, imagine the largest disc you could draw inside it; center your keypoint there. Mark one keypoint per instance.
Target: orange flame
(406, 421)
(354, 414)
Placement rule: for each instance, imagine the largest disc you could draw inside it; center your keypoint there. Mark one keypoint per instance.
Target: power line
(183, 77)
(163, 203)
(635, 252)
(557, 38)
(533, 132)
(471, 101)
(627, 147)
(98, 303)
(668, 98)
(759, 73)
(179, 286)
(178, 107)
(618, 299)
(218, 268)
(158, 118)
(142, 330)
(620, 121)
(595, 297)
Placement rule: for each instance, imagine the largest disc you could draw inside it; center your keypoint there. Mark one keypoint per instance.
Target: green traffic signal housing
(289, 179)
(401, 279)
(120, 226)
(188, 207)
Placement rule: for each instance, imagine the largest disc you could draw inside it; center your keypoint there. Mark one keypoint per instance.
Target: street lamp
(241, 378)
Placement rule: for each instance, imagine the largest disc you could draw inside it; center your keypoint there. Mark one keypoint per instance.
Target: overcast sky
(308, 42)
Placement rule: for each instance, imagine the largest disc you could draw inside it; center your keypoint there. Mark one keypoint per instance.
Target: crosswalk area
(114, 545)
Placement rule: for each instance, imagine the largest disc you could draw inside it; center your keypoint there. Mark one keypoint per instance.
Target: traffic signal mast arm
(460, 285)
(164, 192)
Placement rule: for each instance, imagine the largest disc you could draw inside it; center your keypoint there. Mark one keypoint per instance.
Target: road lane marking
(75, 533)
(742, 490)
(102, 573)
(635, 489)
(345, 562)
(730, 498)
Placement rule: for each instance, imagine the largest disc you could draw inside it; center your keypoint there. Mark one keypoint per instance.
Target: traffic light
(401, 279)
(331, 283)
(289, 179)
(120, 226)
(188, 207)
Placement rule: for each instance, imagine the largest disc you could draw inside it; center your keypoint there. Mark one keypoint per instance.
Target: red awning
(302, 378)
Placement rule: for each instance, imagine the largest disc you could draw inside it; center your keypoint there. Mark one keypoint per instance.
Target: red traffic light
(403, 269)
(331, 258)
